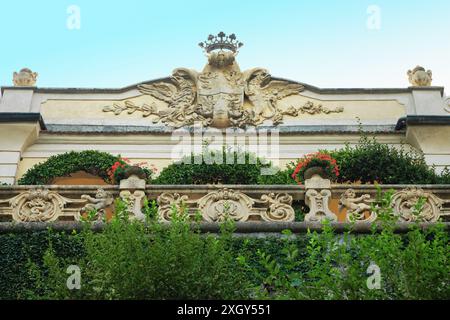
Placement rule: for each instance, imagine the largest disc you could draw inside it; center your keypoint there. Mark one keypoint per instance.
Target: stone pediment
(222, 96)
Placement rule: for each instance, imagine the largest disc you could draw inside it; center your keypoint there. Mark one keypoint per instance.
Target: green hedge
(367, 162)
(370, 161)
(93, 162)
(187, 171)
(128, 262)
(16, 250)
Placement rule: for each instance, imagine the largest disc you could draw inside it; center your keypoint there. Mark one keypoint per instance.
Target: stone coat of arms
(221, 95)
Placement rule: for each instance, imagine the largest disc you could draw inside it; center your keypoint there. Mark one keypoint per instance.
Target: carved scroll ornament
(226, 203)
(405, 205)
(40, 205)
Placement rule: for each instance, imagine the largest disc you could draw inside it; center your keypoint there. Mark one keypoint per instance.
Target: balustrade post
(317, 198)
(132, 191)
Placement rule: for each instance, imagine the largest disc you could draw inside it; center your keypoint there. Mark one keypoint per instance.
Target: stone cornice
(6, 117)
(418, 120)
(308, 87)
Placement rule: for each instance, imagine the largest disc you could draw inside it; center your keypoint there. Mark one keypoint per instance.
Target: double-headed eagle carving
(221, 95)
(187, 104)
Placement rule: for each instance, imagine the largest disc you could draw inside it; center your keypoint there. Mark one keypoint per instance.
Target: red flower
(319, 159)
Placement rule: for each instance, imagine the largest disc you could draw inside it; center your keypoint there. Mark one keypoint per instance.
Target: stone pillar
(17, 135)
(433, 139)
(19, 123)
(317, 198)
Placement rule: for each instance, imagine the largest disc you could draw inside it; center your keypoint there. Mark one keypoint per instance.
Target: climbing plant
(94, 162)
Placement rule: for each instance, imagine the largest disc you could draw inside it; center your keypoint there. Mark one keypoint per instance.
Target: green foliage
(244, 168)
(131, 260)
(371, 161)
(411, 266)
(93, 162)
(17, 250)
(282, 177)
(151, 260)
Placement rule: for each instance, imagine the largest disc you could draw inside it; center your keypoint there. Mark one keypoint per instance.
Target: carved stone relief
(317, 198)
(280, 207)
(404, 205)
(169, 202)
(100, 203)
(358, 208)
(25, 78)
(226, 203)
(405, 201)
(418, 77)
(447, 104)
(134, 202)
(217, 95)
(39, 205)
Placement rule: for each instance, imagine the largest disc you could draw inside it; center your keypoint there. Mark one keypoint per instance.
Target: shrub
(237, 172)
(130, 260)
(371, 161)
(17, 250)
(93, 162)
(411, 266)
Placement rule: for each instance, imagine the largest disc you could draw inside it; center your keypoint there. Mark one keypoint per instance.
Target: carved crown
(221, 42)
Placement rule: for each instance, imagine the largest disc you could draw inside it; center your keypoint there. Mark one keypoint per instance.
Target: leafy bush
(93, 162)
(187, 171)
(411, 266)
(282, 177)
(16, 250)
(370, 161)
(131, 260)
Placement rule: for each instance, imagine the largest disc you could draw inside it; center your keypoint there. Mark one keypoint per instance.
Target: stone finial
(418, 77)
(25, 78)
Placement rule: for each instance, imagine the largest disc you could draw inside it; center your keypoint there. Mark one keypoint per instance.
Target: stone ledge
(424, 120)
(22, 117)
(167, 79)
(157, 129)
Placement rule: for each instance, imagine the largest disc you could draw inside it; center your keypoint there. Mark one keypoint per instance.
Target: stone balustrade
(214, 203)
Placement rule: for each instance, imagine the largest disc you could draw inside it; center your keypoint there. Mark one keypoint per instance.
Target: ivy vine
(93, 162)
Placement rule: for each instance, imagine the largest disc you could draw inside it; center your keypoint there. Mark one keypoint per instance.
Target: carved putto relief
(358, 208)
(221, 95)
(99, 204)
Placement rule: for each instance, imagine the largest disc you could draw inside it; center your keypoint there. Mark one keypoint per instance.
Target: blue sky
(325, 43)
